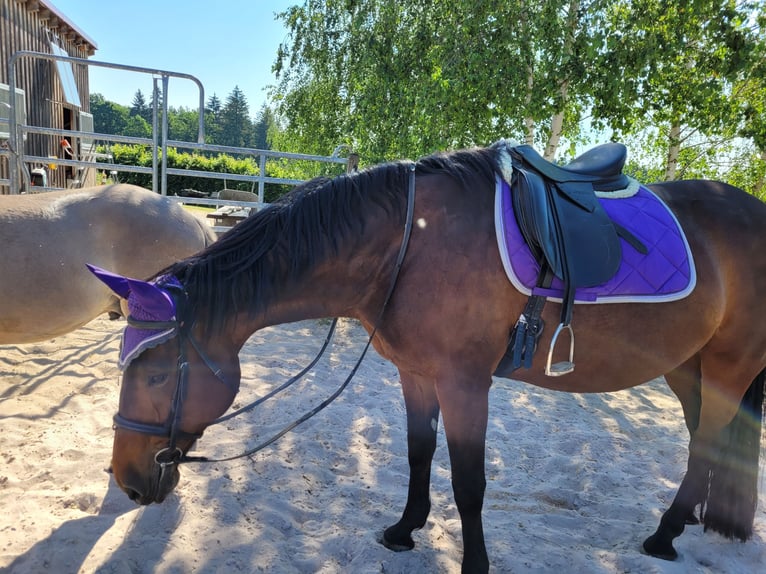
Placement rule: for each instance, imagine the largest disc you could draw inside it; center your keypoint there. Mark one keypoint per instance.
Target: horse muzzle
(153, 485)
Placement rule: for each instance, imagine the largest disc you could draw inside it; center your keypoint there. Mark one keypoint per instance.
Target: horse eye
(157, 380)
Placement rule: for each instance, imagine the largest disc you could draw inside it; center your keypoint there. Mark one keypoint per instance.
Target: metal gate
(20, 174)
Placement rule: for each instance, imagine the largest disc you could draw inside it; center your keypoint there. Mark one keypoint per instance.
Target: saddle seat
(601, 166)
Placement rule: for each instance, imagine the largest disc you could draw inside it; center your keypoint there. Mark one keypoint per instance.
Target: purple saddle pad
(665, 273)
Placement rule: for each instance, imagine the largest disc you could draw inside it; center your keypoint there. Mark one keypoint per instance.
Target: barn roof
(62, 24)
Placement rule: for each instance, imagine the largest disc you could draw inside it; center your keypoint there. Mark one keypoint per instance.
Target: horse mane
(245, 268)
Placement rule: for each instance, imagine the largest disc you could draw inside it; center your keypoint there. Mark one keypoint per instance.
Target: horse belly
(618, 346)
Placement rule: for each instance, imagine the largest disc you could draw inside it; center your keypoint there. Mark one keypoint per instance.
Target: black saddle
(560, 217)
(568, 232)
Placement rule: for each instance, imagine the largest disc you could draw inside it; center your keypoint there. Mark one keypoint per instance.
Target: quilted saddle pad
(665, 273)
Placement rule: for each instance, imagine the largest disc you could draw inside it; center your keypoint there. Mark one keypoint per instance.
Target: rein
(172, 454)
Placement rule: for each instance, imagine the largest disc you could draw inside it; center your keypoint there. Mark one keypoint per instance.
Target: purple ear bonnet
(146, 302)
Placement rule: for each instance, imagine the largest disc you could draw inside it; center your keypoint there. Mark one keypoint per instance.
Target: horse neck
(351, 283)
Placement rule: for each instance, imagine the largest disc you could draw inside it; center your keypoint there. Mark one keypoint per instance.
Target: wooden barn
(49, 94)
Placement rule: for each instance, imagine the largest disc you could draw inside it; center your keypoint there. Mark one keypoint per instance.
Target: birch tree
(397, 79)
(678, 63)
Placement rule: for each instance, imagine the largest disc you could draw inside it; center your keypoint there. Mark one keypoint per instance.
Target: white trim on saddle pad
(516, 282)
(629, 191)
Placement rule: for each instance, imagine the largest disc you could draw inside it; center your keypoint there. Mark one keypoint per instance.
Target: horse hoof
(401, 545)
(665, 551)
(691, 519)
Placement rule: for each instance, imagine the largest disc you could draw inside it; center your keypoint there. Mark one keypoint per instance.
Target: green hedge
(140, 155)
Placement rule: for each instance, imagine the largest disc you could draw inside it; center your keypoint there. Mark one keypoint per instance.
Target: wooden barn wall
(28, 25)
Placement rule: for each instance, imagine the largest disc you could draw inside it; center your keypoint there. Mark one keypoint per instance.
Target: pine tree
(236, 125)
(263, 124)
(213, 120)
(140, 108)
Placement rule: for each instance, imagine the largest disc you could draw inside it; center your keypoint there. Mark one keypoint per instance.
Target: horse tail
(732, 494)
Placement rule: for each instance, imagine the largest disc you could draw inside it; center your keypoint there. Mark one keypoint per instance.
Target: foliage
(402, 80)
(396, 81)
(138, 155)
(108, 117)
(678, 63)
(682, 83)
(139, 107)
(264, 124)
(236, 125)
(213, 119)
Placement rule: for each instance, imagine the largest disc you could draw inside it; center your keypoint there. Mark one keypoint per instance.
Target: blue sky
(225, 43)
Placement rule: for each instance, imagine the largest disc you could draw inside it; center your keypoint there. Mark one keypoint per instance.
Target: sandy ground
(575, 483)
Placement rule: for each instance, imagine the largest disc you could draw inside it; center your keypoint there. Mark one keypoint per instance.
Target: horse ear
(116, 283)
(152, 300)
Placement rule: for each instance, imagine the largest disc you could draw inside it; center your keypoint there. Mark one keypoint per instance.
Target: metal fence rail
(19, 161)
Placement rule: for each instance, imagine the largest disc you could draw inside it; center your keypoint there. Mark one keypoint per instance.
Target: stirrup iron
(563, 367)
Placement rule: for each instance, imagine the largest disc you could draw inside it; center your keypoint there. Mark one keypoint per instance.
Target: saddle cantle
(568, 231)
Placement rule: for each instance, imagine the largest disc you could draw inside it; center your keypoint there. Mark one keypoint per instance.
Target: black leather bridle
(172, 454)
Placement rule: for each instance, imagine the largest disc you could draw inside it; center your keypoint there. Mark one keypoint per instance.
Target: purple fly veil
(148, 302)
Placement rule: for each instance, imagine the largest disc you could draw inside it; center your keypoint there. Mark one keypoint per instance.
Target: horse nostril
(132, 494)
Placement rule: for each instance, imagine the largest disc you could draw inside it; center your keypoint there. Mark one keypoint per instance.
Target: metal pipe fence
(19, 161)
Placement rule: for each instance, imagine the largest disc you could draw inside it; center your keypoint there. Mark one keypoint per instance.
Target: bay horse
(47, 238)
(330, 248)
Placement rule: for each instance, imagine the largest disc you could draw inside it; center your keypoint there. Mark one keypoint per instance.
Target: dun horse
(47, 239)
(333, 248)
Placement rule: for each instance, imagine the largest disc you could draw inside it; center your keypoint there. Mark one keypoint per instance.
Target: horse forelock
(249, 265)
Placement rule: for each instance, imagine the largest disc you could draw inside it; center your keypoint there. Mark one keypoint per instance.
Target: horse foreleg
(465, 410)
(422, 418)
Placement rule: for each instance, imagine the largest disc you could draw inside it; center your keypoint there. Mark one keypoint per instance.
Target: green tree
(236, 125)
(678, 63)
(108, 117)
(751, 93)
(140, 108)
(263, 126)
(396, 79)
(183, 124)
(136, 126)
(213, 120)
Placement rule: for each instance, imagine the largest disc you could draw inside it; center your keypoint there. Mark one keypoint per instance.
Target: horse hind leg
(733, 491)
(422, 418)
(722, 470)
(686, 382)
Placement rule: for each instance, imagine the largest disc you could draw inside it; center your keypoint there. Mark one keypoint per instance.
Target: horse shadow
(68, 361)
(67, 549)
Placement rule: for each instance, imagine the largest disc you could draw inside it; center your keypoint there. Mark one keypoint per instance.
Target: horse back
(48, 238)
(719, 218)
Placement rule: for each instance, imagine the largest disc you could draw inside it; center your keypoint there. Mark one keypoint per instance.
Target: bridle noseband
(172, 453)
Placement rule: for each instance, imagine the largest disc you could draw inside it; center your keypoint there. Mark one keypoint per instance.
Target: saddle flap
(590, 243)
(566, 225)
(581, 193)
(530, 204)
